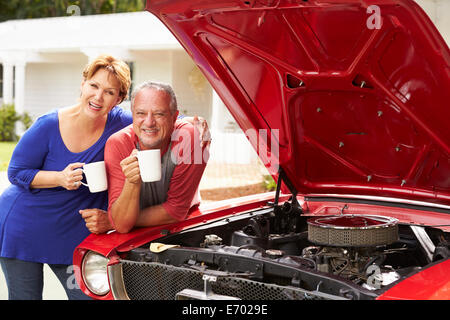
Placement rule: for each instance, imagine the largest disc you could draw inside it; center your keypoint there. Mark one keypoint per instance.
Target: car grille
(155, 281)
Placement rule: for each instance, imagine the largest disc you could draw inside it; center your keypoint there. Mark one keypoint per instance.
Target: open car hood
(354, 102)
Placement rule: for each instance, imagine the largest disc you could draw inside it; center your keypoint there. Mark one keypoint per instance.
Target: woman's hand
(70, 178)
(96, 220)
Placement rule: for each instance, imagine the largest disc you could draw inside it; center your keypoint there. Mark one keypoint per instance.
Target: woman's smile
(95, 106)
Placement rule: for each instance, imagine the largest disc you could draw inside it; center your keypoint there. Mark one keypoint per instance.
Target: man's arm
(154, 216)
(124, 211)
(124, 186)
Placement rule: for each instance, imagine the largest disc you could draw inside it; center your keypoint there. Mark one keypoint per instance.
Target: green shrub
(27, 120)
(269, 183)
(8, 119)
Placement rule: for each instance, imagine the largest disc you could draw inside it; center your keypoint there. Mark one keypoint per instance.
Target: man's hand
(202, 126)
(130, 168)
(96, 220)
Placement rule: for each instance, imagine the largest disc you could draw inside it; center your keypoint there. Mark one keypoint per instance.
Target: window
(126, 104)
(1, 81)
(131, 65)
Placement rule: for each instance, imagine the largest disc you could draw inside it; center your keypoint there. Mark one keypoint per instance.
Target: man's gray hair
(160, 87)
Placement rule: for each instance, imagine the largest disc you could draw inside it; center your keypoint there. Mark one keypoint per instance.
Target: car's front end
(377, 249)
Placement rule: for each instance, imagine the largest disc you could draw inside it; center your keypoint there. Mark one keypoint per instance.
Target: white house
(42, 61)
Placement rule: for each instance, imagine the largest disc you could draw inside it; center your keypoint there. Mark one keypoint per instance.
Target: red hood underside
(353, 107)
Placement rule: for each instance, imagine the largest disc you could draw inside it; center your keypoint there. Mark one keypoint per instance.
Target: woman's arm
(69, 178)
(29, 155)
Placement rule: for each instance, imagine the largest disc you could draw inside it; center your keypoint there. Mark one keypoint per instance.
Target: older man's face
(153, 121)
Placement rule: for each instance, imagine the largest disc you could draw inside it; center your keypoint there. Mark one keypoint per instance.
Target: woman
(42, 212)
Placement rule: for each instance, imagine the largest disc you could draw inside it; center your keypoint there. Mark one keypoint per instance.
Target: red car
(347, 103)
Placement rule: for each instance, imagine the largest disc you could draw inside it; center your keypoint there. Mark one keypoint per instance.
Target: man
(155, 126)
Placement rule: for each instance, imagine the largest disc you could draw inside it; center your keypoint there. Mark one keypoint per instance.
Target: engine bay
(343, 256)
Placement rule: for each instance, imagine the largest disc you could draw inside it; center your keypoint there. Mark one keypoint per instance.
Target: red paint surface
(389, 137)
(432, 283)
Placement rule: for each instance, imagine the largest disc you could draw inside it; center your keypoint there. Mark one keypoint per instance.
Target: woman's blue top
(44, 225)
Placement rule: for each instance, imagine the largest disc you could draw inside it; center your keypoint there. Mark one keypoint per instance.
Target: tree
(27, 9)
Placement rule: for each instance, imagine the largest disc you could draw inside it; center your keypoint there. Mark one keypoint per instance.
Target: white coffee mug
(95, 173)
(150, 164)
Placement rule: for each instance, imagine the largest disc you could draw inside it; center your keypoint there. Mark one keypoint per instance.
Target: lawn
(6, 150)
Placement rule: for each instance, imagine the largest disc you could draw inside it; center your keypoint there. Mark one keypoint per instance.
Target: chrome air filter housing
(352, 230)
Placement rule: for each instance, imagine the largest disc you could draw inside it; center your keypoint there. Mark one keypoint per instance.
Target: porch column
(220, 144)
(8, 80)
(216, 112)
(19, 100)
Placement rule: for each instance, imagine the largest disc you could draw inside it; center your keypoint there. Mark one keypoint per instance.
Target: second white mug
(95, 173)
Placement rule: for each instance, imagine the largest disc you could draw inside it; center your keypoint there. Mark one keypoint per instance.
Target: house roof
(133, 31)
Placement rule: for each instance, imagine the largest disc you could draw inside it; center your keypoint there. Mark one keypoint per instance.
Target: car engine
(292, 256)
(347, 245)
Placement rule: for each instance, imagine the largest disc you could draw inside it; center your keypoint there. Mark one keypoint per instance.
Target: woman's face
(100, 93)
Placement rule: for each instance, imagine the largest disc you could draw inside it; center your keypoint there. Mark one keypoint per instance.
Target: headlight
(94, 271)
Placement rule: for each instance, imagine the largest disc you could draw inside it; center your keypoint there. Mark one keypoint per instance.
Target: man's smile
(151, 131)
